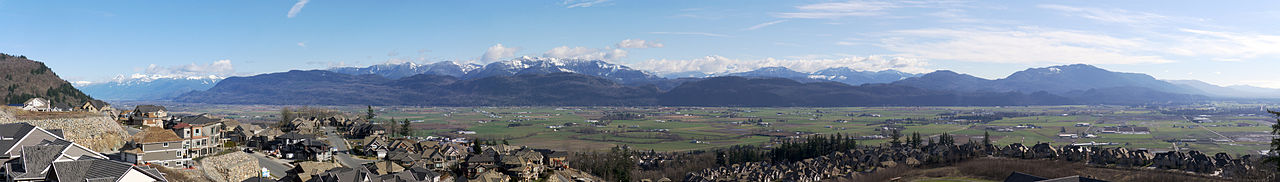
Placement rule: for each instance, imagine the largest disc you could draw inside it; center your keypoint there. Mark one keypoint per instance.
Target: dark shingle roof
(13, 132)
(1022, 177)
(149, 108)
(91, 169)
(198, 119)
(36, 158)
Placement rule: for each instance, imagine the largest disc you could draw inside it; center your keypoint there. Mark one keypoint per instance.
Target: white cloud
(297, 7)
(833, 10)
(638, 44)
(585, 53)
(302, 44)
(765, 24)
(1023, 45)
(498, 52)
(582, 3)
(691, 33)
(721, 64)
(216, 69)
(1106, 15)
(1226, 46)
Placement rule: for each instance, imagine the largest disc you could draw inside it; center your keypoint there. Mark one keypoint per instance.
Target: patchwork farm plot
(693, 128)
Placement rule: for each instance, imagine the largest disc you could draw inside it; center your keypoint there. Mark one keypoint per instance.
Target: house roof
(202, 119)
(296, 136)
(36, 158)
(155, 135)
(259, 179)
(14, 131)
(149, 108)
(1072, 179)
(93, 169)
(1022, 177)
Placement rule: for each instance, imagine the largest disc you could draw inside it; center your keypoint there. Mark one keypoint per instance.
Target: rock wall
(100, 133)
(235, 166)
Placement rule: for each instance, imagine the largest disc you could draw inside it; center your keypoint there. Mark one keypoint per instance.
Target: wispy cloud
(1106, 15)
(497, 52)
(583, 3)
(1226, 46)
(691, 33)
(638, 44)
(302, 44)
(721, 64)
(585, 53)
(297, 7)
(833, 10)
(765, 24)
(1023, 45)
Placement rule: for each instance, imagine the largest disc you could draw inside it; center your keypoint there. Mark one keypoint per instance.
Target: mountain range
(542, 81)
(148, 88)
(507, 83)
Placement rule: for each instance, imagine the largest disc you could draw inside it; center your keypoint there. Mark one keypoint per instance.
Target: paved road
(342, 156)
(277, 169)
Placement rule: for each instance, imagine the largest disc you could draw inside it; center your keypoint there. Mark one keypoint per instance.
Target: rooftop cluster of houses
(35, 154)
(44, 105)
(444, 155)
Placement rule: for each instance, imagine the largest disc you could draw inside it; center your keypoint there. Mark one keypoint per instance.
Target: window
(165, 144)
(197, 132)
(179, 154)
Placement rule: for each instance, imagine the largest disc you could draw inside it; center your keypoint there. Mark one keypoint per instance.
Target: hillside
(25, 79)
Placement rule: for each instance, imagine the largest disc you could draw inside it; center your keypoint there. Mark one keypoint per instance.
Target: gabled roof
(93, 169)
(13, 132)
(202, 119)
(35, 159)
(296, 136)
(155, 135)
(149, 108)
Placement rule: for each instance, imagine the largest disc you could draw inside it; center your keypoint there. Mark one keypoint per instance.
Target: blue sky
(1222, 43)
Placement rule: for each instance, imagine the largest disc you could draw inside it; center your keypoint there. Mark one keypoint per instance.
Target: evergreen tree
(896, 135)
(368, 116)
(915, 139)
(405, 130)
(986, 139)
(945, 139)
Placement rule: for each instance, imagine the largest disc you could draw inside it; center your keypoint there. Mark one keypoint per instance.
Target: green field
(677, 128)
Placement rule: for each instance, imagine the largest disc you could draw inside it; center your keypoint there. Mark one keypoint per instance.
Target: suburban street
(277, 169)
(342, 155)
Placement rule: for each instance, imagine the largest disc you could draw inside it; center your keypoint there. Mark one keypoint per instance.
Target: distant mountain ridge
(148, 88)
(1053, 79)
(838, 74)
(553, 83)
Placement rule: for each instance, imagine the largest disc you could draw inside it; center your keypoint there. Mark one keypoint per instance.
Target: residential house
(37, 104)
(416, 174)
(485, 161)
(241, 133)
(376, 145)
(149, 115)
(201, 134)
(97, 169)
(555, 159)
(345, 174)
(157, 146)
(97, 107)
(301, 147)
(30, 151)
(525, 163)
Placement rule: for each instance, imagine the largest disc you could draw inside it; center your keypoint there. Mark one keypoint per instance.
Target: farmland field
(1237, 132)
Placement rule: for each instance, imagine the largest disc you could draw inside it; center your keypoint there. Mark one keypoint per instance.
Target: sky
(1224, 43)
